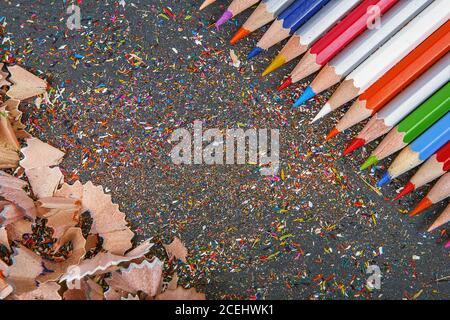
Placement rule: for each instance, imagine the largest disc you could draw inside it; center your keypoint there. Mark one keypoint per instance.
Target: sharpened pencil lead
(409, 187)
(286, 83)
(306, 95)
(386, 178)
(326, 109)
(227, 15)
(333, 133)
(241, 34)
(423, 204)
(256, 51)
(372, 160)
(275, 64)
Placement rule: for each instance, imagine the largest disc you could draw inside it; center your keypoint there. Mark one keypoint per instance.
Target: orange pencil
(396, 79)
(439, 192)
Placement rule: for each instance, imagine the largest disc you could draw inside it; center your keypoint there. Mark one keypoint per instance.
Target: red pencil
(432, 169)
(336, 39)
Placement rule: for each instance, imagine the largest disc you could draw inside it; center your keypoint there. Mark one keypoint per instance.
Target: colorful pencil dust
(414, 33)
(362, 47)
(396, 79)
(266, 12)
(439, 192)
(336, 39)
(312, 30)
(399, 107)
(433, 168)
(296, 15)
(412, 126)
(419, 150)
(236, 7)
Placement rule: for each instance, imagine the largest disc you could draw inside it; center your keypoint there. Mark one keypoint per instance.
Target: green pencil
(412, 126)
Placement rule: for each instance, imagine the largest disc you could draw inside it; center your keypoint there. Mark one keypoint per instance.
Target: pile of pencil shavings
(61, 241)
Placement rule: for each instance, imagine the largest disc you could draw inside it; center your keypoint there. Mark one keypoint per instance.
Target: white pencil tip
(326, 109)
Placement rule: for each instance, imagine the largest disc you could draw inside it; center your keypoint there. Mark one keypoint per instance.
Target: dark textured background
(241, 244)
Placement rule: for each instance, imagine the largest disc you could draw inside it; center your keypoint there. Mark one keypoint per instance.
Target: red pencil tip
(355, 144)
(409, 187)
(285, 84)
(242, 33)
(333, 133)
(425, 203)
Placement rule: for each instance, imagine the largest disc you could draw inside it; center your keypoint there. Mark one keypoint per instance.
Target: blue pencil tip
(254, 52)
(386, 178)
(307, 94)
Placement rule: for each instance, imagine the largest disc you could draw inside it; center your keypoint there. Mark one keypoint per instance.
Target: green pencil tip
(372, 160)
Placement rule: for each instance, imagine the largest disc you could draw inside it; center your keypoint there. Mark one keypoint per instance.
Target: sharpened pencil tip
(227, 15)
(306, 95)
(286, 83)
(241, 34)
(256, 51)
(372, 160)
(326, 109)
(355, 144)
(275, 64)
(423, 204)
(386, 178)
(333, 133)
(409, 187)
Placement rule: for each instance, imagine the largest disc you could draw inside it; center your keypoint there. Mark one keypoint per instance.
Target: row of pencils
(391, 55)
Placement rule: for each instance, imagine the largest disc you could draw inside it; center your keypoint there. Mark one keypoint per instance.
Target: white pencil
(363, 46)
(388, 55)
(404, 103)
(311, 31)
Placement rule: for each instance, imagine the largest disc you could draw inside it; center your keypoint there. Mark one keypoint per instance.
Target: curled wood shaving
(145, 277)
(176, 249)
(12, 189)
(26, 267)
(24, 85)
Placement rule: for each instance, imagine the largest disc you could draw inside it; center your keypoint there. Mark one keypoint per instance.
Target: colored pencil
(399, 107)
(441, 220)
(335, 40)
(362, 47)
(433, 168)
(266, 12)
(396, 79)
(296, 15)
(412, 126)
(419, 150)
(439, 192)
(236, 7)
(416, 31)
(311, 31)
(206, 3)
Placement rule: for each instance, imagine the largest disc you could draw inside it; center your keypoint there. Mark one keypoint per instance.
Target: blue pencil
(287, 23)
(419, 150)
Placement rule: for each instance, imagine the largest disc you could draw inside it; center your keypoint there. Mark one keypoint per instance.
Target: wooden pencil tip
(275, 64)
(333, 133)
(355, 144)
(242, 33)
(423, 204)
(409, 187)
(286, 83)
